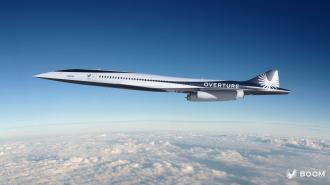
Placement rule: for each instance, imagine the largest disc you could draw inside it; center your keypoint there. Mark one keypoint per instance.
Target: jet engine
(223, 95)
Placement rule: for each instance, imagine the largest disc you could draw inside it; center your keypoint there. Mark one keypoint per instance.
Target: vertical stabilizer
(268, 80)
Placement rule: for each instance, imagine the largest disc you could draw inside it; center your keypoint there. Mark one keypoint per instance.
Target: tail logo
(266, 83)
(291, 174)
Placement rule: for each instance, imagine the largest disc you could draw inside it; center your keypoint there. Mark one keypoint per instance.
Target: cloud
(230, 156)
(161, 158)
(187, 169)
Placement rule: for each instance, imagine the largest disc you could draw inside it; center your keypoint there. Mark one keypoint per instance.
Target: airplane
(196, 89)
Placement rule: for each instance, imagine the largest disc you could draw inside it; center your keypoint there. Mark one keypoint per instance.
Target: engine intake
(224, 95)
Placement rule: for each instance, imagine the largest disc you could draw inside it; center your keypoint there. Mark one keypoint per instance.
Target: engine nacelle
(224, 95)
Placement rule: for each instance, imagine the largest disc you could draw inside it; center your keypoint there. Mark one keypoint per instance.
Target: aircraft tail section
(269, 79)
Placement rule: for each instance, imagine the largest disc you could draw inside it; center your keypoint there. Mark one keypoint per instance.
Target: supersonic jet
(196, 89)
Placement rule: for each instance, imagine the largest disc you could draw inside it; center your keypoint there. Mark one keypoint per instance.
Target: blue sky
(230, 40)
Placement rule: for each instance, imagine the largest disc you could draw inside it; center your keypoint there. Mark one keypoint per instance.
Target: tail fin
(268, 80)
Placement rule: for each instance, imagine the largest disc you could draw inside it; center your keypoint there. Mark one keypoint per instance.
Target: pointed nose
(39, 75)
(44, 75)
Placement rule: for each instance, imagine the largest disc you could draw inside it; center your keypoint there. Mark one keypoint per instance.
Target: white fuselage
(164, 83)
(196, 89)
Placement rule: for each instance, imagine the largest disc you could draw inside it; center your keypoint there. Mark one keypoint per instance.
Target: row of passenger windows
(127, 78)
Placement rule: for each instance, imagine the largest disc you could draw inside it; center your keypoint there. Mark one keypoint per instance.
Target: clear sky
(228, 40)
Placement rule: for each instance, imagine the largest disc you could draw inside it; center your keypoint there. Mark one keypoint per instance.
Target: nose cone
(48, 75)
(42, 75)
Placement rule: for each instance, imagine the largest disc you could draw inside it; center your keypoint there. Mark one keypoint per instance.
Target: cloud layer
(162, 158)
